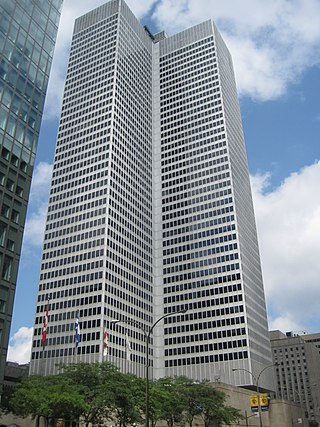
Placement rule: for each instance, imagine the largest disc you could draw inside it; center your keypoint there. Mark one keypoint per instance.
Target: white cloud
(271, 45)
(271, 42)
(289, 229)
(41, 181)
(35, 223)
(20, 346)
(256, 69)
(285, 323)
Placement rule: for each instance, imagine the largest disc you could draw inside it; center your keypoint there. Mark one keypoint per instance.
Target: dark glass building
(28, 30)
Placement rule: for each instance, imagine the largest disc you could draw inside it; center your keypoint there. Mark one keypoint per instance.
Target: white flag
(128, 348)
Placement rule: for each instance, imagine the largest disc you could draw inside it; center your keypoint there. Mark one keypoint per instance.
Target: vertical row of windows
(99, 122)
(195, 169)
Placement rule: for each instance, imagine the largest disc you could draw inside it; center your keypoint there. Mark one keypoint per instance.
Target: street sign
(254, 403)
(264, 402)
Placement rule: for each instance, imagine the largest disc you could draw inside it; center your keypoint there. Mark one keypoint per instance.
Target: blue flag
(77, 330)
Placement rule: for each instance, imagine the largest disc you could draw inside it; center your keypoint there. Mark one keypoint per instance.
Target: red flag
(105, 342)
(44, 330)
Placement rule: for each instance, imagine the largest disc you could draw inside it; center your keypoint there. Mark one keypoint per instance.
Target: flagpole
(44, 335)
(102, 329)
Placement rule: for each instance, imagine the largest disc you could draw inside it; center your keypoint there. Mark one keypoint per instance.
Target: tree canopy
(98, 392)
(181, 401)
(53, 396)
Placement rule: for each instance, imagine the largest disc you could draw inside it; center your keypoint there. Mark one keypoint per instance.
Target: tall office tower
(28, 31)
(97, 252)
(150, 209)
(206, 231)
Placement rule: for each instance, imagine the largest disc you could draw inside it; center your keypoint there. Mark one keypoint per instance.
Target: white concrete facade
(150, 208)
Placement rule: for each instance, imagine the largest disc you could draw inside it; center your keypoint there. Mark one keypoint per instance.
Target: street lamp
(147, 333)
(256, 379)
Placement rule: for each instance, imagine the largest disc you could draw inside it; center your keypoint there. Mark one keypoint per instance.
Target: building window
(7, 268)
(5, 211)
(3, 230)
(15, 216)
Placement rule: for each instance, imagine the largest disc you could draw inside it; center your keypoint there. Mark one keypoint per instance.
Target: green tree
(181, 401)
(47, 396)
(98, 391)
(193, 410)
(159, 395)
(214, 411)
(5, 399)
(95, 384)
(128, 392)
(169, 400)
(81, 390)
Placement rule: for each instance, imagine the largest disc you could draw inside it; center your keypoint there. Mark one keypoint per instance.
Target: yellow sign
(264, 401)
(253, 400)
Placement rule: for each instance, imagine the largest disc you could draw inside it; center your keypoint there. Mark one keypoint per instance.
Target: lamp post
(147, 334)
(256, 380)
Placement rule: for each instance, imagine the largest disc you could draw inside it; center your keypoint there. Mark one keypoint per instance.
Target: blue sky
(276, 54)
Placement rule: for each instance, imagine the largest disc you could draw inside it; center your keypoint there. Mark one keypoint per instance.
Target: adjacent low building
(312, 338)
(298, 374)
(13, 373)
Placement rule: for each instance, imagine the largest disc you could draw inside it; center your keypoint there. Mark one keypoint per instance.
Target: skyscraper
(27, 36)
(150, 208)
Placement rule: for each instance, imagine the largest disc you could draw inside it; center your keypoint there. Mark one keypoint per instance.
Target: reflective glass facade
(28, 31)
